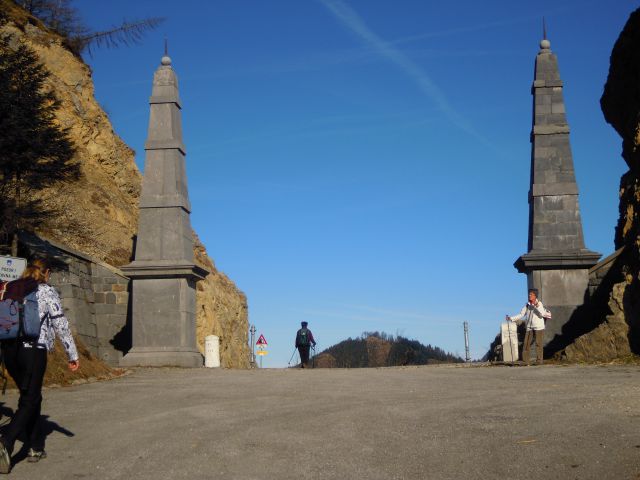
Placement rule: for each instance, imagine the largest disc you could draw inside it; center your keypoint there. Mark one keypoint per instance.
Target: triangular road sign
(261, 340)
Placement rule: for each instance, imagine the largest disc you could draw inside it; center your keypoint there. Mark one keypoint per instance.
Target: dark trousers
(528, 340)
(26, 365)
(304, 354)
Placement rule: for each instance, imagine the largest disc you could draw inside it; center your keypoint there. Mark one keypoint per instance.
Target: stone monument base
(162, 357)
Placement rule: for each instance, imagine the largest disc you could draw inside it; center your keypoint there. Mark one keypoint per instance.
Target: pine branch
(126, 34)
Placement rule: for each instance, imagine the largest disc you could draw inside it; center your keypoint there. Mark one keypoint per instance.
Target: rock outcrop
(100, 211)
(618, 333)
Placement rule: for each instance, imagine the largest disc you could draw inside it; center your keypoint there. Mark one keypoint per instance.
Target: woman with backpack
(26, 361)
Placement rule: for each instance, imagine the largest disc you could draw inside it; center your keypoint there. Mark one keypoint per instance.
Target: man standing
(535, 314)
(304, 340)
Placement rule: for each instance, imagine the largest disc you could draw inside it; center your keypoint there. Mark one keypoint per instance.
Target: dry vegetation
(58, 373)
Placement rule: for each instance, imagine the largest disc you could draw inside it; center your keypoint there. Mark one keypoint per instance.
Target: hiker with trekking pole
(536, 314)
(304, 340)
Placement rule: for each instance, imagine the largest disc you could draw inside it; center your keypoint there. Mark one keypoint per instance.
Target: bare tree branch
(126, 34)
(63, 17)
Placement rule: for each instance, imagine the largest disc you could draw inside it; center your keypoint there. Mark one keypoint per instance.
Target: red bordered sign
(261, 340)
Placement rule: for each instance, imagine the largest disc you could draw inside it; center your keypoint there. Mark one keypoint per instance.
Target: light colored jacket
(54, 322)
(534, 315)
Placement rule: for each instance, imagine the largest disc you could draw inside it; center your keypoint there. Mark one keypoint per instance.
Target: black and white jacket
(54, 322)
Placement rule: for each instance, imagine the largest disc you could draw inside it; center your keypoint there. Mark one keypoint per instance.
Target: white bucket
(212, 351)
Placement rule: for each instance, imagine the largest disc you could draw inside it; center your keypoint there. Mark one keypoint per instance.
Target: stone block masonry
(94, 296)
(111, 300)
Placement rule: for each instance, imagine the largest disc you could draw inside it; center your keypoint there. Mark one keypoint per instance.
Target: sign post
(261, 343)
(11, 268)
(253, 347)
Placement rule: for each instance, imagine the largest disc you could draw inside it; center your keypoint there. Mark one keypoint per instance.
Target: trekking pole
(294, 352)
(313, 359)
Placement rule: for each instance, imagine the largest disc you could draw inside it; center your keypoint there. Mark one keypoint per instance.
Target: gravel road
(433, 422)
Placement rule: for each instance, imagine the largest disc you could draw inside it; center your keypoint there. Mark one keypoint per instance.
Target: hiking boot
(34, 456)
(5, 459)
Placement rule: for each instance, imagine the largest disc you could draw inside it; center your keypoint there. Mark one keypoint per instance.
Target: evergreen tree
(35, 152)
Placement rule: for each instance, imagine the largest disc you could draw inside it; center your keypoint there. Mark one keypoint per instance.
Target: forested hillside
(376, 349)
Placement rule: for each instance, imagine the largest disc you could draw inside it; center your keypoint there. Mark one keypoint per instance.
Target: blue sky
(364, 164)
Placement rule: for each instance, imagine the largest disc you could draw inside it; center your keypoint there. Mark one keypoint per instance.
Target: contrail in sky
(345, 14)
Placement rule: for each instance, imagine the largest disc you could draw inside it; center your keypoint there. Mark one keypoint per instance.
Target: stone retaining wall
(111, 300)
(94, 296)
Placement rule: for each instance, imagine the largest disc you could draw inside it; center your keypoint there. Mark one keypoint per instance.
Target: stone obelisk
(557, 263)
(163, 273)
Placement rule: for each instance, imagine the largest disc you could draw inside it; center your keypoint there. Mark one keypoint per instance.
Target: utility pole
(253, 346)
(466, 341)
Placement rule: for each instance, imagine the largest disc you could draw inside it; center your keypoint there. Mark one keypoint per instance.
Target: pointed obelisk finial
(166, 59)
(544, 43)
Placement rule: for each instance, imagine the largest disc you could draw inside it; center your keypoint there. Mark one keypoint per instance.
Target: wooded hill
(375, 349)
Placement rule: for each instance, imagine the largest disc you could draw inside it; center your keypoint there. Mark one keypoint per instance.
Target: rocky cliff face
(618, 334)
(100, 211)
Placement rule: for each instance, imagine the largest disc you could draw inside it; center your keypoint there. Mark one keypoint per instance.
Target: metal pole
(294, 352)
(253, 345)
(466, 341)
